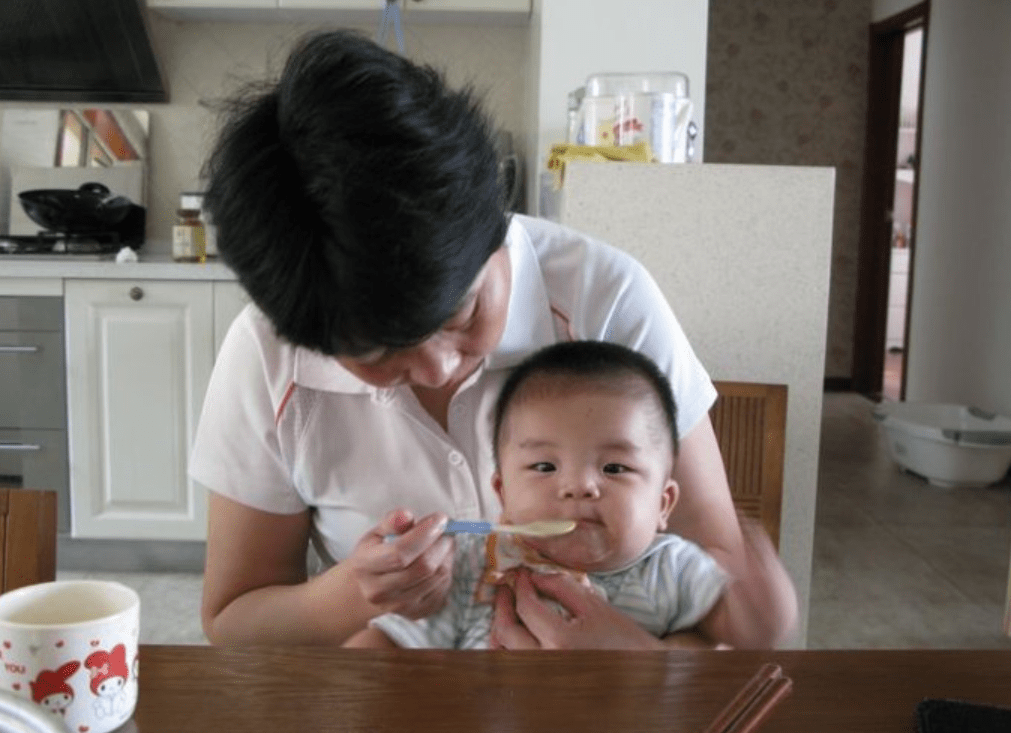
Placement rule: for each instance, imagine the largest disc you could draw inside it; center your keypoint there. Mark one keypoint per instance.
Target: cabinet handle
(20, 446)
(136, 293)
(19, 349)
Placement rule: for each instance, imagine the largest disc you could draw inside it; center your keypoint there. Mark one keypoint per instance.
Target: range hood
(77, 51)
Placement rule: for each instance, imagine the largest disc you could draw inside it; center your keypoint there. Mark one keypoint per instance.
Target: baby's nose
(582, 486)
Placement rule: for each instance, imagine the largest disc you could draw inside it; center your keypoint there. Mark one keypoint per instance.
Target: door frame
(884, 87)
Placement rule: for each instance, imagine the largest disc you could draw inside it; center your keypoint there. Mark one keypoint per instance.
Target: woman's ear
(668, 499)
(496, 483)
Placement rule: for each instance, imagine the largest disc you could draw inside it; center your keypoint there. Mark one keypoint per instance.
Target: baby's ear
(496, 483)
(668, 499)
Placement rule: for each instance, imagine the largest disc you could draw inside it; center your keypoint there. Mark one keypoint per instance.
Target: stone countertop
(151, 267)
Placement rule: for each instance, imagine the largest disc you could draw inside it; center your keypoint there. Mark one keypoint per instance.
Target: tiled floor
(897, 563)
(891, 381)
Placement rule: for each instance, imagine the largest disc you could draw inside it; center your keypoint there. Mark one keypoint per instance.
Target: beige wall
(202, 61)
(787, 85)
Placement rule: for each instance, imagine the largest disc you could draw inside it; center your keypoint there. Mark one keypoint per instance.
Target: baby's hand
(409, 574)
(523, 620)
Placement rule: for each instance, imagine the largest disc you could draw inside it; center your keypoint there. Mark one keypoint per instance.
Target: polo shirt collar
(320, 371)
(529, 324)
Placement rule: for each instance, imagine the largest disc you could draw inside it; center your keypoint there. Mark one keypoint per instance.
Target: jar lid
(619, 85)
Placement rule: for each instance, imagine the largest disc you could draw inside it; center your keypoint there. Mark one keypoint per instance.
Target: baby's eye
(615, 468)
(543, 467)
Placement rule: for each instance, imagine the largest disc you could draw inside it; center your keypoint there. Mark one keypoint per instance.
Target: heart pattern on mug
(7, 645)
(16, 685)
(95, 642)
(83, 728)
(33, 649)
(59, 644)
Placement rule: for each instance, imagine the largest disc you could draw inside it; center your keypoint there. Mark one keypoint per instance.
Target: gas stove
(46, 244)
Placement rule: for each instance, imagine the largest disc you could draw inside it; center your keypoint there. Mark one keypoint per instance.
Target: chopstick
(755, 701)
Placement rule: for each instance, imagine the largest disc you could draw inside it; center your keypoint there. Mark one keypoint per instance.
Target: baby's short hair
(579, 363)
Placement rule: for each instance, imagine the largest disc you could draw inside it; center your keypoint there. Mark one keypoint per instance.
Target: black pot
(90, 208)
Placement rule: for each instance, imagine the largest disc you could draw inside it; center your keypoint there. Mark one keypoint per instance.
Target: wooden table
(187, 689)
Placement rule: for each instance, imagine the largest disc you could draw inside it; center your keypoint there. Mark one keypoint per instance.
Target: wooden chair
(750, 424)
(27, 537)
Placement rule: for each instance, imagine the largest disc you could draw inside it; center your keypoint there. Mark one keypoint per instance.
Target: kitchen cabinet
(266, 11)
(346, 11)
(139, 359)
(336, 5)
(446, 11)
(350, 12)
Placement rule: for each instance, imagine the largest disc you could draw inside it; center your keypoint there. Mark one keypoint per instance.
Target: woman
(358, 201)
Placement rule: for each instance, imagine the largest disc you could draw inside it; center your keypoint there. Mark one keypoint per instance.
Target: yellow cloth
(504, 553)
(562, 153)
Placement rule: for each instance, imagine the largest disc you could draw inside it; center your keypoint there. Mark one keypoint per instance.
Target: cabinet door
(139, 359)
(229, 300)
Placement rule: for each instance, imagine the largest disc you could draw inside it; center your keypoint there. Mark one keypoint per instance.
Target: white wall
(960, 330)
(573, 39)
(726, 243)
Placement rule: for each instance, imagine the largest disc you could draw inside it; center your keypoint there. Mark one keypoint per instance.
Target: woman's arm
(256, 590)
(705, 514)
(741, 616)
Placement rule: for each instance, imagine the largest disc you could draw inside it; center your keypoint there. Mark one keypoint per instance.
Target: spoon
(544, 528)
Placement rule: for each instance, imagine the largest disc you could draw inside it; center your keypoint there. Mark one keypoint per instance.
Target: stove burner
(45, 243)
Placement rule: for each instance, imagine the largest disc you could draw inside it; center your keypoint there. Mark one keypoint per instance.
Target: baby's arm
(748, 605)
(370, 638)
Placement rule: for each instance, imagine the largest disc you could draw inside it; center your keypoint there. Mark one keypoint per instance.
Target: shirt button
(455, 458)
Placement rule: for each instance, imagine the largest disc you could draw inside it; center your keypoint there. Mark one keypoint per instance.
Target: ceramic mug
(70, 646)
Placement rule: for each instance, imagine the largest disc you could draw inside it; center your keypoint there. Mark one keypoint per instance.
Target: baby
(584, 431)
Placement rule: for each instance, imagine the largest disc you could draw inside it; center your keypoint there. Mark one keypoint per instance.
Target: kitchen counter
(153, 267)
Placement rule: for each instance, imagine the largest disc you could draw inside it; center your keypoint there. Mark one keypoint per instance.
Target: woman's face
(452, 353)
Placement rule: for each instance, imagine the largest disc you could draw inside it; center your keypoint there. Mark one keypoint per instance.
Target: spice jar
(189, 239)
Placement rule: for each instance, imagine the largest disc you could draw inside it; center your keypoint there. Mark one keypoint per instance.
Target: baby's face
(600, 458)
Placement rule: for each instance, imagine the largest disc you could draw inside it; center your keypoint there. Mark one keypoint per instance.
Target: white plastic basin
(949, 445)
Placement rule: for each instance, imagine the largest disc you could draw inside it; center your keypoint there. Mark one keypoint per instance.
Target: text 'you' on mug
(70, 646)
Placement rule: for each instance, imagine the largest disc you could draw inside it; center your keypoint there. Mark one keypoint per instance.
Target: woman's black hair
(357, 198)
(576, 362)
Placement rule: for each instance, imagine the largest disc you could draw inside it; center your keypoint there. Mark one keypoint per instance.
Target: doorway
(888, 209)
(896, 322)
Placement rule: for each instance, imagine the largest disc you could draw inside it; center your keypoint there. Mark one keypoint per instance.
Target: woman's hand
(522, 620)
(409, 575)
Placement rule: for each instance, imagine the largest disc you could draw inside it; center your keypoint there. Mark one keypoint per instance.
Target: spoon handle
(454, 526)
